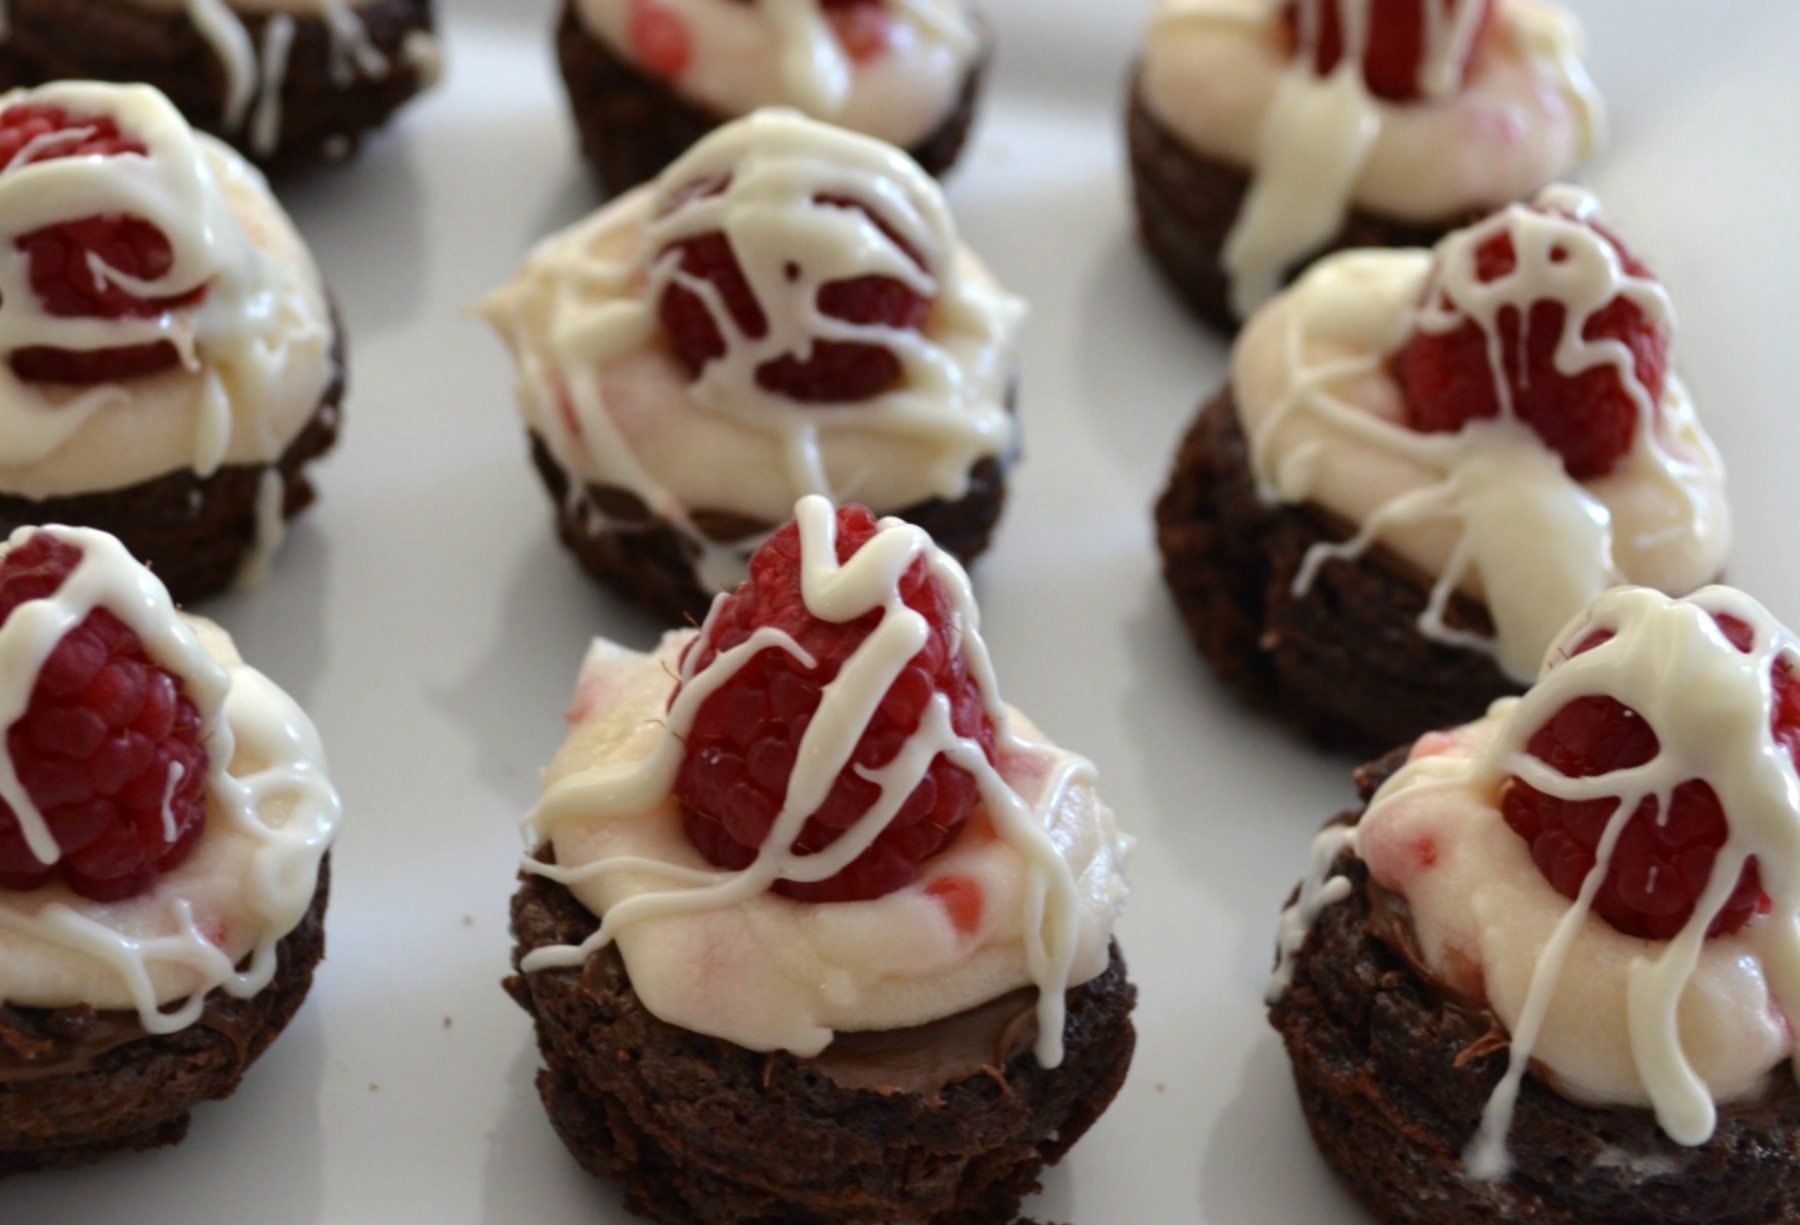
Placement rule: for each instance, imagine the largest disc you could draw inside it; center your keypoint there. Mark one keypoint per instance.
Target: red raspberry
(836, 371)
(1396, 48)
(60, 255)
(1658, 869)
(741, 749)
(1588, 418)
(664, 43)
(108, 749)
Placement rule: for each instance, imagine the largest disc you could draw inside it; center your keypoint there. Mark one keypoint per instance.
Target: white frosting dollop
(1678, 1025)
(604, 389)
(1488, 510)
(1218, 75)
(255, 350)
(716, 952)
(271, 814)
(742, 56)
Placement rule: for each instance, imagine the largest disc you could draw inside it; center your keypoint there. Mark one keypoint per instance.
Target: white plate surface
(424, 615)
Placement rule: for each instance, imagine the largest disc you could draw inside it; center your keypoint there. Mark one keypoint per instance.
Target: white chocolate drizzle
(266, 791)
(595, 291)
(869, 580)
(1318, 133)
(1488, 510)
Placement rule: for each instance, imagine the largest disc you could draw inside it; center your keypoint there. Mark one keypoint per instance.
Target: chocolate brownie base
(196, 532)
(323, 114)
(1344, 660)
(633, 125)
(618, 541)
(1393, 1075)
(78, 1085)
(702, 1132)
(1188, 202)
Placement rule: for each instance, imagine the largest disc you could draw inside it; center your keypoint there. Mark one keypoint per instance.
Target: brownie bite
(1376, 529)
(682, 388)
(163, 906)
(287, 84)
(647, 80)
(839, 1015)
(1256, 146)
(1475, 974)
(171, 362)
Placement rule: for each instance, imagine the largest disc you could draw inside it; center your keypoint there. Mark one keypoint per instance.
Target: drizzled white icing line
(1488, 510)
(1061, 923)
(1218, 74)
(1675, 1025)
(616, 408)
(255, 351)
(271, 813)
(787, 53)
(352, 52)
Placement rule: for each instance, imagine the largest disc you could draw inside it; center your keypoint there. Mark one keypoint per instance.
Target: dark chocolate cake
(78, 1085)
(1394, 1069)
(1188, 202)
(325, 103)
(1343, 660)
(940, 1124)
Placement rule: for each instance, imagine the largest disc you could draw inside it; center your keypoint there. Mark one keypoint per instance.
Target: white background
(425, 616)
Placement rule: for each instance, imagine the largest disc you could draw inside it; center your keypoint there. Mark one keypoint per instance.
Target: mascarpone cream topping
(271, 814)
(1218, 74)
(1675, 1025)
(599, 383)
(714, 951)
(255, 351)
(1488, 510)
(737, 56)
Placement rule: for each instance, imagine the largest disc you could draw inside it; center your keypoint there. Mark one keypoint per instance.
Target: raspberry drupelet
(82, 268)
(1507, 337)
(1397, 40)
(834, 371)
(109, 749)
(745, 738)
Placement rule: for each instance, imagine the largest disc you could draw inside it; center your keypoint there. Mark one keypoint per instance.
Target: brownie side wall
(138, 1095)
(652, 564)
(1188, 202)
(1393, 1084)
(194, 531)
(703, 1132)
(1343, 660)
(321, 118)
